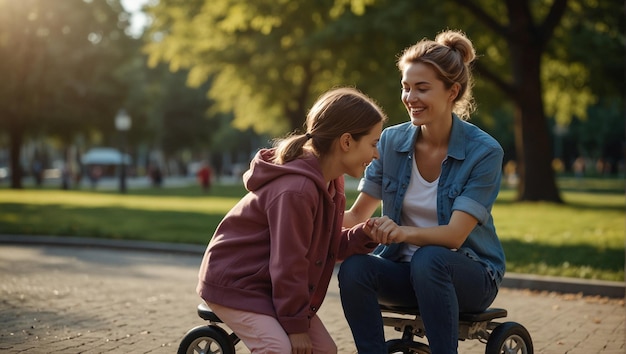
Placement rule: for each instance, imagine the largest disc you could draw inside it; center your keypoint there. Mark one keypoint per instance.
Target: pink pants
(263, 334)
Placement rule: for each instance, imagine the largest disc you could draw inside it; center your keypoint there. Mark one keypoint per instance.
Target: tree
(178, 112)
(526, 38)
(552, 72)
(269, 59)
(58, 61)
(542, 57)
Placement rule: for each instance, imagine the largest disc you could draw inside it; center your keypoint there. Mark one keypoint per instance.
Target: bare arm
(452, 235)
(363, 208)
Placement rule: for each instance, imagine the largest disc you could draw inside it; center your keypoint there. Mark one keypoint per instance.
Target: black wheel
(206, 340)
(407, 347)
(509, 338)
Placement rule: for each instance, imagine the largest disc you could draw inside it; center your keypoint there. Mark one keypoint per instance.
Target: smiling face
(424, 95)
(359, 153)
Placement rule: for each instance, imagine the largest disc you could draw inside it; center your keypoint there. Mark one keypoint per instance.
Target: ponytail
(290, 148)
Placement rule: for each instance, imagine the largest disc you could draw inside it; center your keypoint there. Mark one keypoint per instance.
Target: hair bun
(457, 40)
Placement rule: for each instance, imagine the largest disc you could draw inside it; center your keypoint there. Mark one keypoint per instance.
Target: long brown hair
(338, 111)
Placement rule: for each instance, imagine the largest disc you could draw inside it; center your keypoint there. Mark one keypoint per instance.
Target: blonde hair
(450, 55)
(338, 111)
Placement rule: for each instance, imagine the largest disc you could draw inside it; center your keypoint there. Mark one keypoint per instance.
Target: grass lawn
(583, 238)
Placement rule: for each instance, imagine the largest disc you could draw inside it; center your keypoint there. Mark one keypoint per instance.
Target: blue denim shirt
(469, 181)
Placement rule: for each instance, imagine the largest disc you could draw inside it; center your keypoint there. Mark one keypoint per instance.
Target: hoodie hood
(263, 170)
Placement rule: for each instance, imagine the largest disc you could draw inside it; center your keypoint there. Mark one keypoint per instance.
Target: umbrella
(105, 156)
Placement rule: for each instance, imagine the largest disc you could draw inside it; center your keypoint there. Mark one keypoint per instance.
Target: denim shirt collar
(456, 146)
(408, 141)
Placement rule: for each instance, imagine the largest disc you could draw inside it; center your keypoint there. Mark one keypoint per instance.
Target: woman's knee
(428, 261)
(430, 256)
(352, 268)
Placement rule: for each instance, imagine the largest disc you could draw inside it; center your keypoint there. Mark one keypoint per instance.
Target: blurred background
(95, 90)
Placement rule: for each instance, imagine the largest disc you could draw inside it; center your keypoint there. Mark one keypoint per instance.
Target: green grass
(164, 215)
(583, 238)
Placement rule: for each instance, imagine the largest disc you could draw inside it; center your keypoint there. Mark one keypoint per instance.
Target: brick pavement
(91, 300)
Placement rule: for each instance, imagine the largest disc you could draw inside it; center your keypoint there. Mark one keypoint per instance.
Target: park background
(215, 80)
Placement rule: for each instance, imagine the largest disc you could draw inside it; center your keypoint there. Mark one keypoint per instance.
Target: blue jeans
(440, 282)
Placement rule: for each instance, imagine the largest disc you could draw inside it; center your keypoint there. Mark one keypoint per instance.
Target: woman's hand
(384, 230)
(301, 343)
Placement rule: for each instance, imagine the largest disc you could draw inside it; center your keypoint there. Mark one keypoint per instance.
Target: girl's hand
(384, 230)
(301, 343)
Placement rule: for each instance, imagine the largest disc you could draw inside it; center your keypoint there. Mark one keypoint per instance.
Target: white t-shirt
(419, 207)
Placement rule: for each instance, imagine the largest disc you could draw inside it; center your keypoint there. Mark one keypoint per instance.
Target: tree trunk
(15, 148)
(537, 180)
(526, 39)
(534, 153)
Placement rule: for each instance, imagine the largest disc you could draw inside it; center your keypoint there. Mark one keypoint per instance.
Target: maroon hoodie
(275, 250)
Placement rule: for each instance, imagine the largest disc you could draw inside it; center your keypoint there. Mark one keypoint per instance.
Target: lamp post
(122, 124)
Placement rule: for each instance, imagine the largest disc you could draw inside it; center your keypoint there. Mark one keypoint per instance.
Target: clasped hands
(385, 231)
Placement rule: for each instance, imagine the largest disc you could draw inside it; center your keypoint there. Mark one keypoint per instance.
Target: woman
(266, 270)
(438, 177)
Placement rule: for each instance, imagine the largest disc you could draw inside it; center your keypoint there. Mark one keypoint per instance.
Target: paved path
(56, 299)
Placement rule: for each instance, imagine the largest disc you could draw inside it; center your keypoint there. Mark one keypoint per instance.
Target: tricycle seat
(207, 314)
(487, 315)
(508, 337)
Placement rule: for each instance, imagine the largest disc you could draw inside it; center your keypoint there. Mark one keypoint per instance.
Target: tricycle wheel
(407, 347)
(206, 340)
(509, 338)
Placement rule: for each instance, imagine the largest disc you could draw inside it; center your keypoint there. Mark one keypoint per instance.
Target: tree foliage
(268, 60)
(58, 61)
(559, 40)
(179, 113)
(543, 65)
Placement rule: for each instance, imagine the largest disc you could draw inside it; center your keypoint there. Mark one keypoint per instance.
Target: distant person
(217, 163)
(204, 177)
(66, 177)
(267, 268)
(38, 172)
(579, 167)
(95, 172)
(156, 176)
(438, 177)
(510, 173)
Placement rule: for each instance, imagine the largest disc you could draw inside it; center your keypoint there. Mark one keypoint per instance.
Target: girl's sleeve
(290, 218)
(354, 241)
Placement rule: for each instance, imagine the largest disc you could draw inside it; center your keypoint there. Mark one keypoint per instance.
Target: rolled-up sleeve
(472, 207)
(479, 193)
(370, 188)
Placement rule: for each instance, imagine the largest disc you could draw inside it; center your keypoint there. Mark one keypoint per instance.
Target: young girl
(266, 270)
